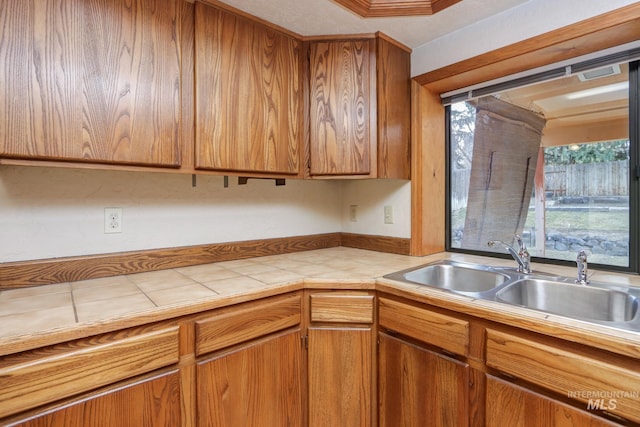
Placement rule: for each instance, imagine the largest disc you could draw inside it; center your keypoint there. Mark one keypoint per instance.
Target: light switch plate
(388, 214)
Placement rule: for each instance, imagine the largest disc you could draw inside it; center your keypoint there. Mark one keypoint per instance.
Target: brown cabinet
(258, 384)
(91, 81)
(151, 402)
(511, 405)
(99, 375)
(250, 372)
(249, 90)
(418, 387)
(340, 359)
(418, 383)
(359, 108)
(593, 380)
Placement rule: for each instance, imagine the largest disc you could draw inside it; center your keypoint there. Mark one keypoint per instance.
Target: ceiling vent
(609, 70)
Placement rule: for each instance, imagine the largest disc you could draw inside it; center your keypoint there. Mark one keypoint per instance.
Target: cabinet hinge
(305, 341)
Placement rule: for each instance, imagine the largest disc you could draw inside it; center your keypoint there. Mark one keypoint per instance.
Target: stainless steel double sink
(597, 302)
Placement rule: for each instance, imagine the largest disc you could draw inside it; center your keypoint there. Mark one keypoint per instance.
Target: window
(552, 162)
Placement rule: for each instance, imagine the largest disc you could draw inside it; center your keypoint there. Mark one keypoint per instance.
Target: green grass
(612, 223)
(602, 222)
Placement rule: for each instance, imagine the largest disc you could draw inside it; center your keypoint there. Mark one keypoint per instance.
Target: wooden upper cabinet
(360, 98)
(91, 80)
(341, 134)
(394, 110)
(248, 95)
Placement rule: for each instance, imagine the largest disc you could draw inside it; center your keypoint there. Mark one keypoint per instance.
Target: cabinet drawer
(446, 332)
(41, 376)
(578, 376)
(342, 308)
(247, 321)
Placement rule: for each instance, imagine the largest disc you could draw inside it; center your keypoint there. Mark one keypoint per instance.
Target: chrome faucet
(581, 260)
(522, 256)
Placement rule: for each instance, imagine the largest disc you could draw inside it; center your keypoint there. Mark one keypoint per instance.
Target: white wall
(527, 20)
(371, 196)
(51, 212)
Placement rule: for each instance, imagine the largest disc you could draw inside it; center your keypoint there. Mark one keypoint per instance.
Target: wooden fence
(590, 179)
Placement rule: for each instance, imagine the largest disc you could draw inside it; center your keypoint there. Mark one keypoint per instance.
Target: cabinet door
(394, 110)
(149, 403)
(248, 95)
(341, 107)
(418, 387)
(258, 385)
(339, 377)
(91, 80)
(511, 405)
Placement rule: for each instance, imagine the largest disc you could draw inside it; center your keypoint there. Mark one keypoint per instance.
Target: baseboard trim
(393, 245)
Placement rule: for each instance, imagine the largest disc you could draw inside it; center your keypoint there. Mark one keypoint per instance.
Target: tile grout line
(142, 291)
(73, 304)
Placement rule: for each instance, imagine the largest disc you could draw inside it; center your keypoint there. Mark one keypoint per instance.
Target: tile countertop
(43, 315)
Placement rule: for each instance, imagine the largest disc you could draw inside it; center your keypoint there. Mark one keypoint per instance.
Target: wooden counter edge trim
(589, 28)
(69, 269)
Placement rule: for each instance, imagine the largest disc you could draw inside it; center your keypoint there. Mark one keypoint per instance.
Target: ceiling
(326, 17)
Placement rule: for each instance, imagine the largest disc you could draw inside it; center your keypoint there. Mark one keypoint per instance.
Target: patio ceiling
(579, 110)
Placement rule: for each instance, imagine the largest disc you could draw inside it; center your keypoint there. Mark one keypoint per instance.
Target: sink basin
(571, 300)
(456, 277)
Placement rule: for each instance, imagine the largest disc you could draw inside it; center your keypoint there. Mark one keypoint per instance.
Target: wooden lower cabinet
(340, 376)
(510, 405)
(418, 387)
(258, 385)
(151, 402)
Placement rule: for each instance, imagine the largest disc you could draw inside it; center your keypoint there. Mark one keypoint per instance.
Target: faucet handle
(520, 242)
(583, 274)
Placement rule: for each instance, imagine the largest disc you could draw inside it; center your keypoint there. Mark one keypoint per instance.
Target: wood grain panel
(340, 98)
(258, 385)
(40, 272)
(392, 245)
(611, 29)
(428, 172)
(91, 80)
(149, 403)
(187, 112)
(42, 376)
(247, 322)
(510, 405)
(562, 371)
(340, 383)
(248, 95)
(394, 110)
(443, 331)
(419, 387)
(342, 308)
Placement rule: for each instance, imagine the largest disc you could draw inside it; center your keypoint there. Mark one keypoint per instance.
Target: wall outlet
(112, 220)
(353, 213)
(388, 214)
